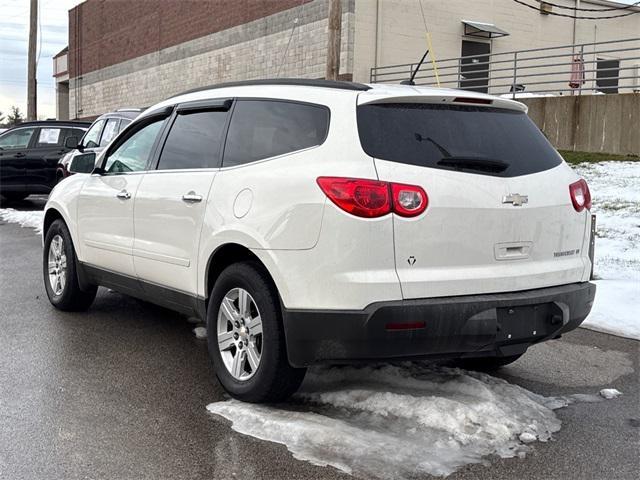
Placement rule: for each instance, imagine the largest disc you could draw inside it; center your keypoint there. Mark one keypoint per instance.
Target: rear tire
(59, 271)
(486, 364)
(246, 337)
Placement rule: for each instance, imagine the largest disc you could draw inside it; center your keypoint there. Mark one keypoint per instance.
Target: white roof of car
(316, 90)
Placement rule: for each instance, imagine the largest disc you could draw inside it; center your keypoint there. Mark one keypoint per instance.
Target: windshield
(456, 137)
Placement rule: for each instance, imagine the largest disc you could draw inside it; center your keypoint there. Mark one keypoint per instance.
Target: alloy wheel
(240, 334)
(57, 265)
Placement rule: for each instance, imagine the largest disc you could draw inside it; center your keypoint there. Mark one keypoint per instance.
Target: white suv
(330, 222)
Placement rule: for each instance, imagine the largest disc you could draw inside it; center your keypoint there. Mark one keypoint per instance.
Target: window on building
(194, 140)
(607, 73)
(19, 138)
(109, 132)
(264, 128)
(92, 137)
(133, 153)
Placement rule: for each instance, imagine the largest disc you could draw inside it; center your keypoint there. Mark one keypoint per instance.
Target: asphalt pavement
(121, 392)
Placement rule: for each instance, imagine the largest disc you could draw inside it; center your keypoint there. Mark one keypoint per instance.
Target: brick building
(135, 53)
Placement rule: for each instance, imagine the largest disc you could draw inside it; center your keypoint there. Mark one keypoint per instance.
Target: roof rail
(51, 121)
(131, 109)
(338, 84)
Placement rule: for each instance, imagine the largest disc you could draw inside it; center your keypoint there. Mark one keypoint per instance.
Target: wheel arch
(226, 255)
(50, 216)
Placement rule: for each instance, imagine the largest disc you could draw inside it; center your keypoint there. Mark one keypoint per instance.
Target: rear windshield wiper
(443, 150)
(474, 163)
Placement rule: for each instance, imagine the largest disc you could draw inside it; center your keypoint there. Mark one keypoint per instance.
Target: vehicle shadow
(32, 202)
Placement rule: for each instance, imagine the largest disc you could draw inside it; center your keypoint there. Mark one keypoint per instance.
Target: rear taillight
(371, 198)
(363, 198)
(408, 200)
(580, 195)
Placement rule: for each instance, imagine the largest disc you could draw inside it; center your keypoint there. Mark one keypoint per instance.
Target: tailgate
(499, 215)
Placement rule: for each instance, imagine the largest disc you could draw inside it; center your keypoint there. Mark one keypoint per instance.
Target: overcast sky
(14, 32)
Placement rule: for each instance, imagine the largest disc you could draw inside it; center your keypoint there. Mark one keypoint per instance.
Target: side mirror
(83, 163)
(71, 142)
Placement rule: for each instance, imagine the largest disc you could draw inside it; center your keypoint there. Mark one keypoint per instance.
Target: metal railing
(598, 67)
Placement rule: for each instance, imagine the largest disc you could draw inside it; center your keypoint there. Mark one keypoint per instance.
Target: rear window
(425, 134)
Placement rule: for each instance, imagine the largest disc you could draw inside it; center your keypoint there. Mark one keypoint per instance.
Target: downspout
(575, 27)
(375, 51)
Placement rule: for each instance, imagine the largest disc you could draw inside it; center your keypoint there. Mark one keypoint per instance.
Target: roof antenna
(413, 74)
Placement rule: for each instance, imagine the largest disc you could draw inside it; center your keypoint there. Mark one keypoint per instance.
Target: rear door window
(74, 132)
(110, 131)
(426, 135)
(266, 128)
(123, 123)
(195, 140)
(49, 137)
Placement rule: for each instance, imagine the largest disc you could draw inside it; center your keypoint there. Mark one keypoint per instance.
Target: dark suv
(29, 155)
(101, 132)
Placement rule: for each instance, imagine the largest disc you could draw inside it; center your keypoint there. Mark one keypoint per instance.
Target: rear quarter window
(261, 129)
(424, 134)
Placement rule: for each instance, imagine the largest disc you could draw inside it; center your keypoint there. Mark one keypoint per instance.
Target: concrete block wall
(590, 123)
(392, 32)
(251, 50)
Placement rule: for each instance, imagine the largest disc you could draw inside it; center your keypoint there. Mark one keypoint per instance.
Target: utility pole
(333, 43)
(32, 89)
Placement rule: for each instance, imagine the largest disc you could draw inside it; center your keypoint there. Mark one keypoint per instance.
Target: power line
(580, 9)
(566, 15)
(300, 11)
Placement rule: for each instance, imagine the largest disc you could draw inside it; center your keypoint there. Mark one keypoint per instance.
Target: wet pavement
(121, 392)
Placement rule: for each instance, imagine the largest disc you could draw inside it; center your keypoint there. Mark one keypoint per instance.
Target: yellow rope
(433, 58)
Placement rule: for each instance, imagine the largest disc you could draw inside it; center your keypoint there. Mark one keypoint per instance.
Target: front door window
(17, 139)
(133, 154)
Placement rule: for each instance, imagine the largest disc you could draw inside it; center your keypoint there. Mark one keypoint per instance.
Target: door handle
(20, 155)
(191, 197)
(123, 194)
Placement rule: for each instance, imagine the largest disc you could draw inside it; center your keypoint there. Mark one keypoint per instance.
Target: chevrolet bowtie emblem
(515, 199)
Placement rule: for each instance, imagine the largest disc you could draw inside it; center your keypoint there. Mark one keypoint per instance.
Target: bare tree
(15, 117)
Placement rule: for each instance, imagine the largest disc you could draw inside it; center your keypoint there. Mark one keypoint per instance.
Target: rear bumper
(500, 324)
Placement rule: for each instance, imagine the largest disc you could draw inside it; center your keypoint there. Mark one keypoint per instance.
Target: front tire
(59, 271)
(246, 337)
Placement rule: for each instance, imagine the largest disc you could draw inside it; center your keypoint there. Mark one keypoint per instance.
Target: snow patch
(200, 332)
(610, 393)
(615, 188)
(527, 437)
(616, 308)
(526, 95)
(400, 421)
(30, 219)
